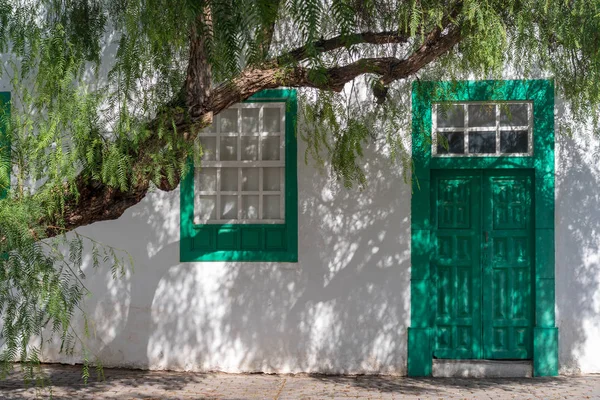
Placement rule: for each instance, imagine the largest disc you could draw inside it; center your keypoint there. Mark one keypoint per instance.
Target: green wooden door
(482, 264)
(508, 259)
(456, 263)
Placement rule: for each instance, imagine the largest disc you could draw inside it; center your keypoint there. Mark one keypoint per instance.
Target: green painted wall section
(248, 242)
(541, 94)
(5, 164)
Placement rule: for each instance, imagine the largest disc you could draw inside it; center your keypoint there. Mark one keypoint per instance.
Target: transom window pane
(450, 115)
(482, 129)
(514, 141)
(241, 178)
(451, 143)
(482, 142)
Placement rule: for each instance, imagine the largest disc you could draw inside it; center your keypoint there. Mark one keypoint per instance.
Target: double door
(482, 263)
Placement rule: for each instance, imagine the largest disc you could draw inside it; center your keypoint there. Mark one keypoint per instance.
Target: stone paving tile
(66, 383)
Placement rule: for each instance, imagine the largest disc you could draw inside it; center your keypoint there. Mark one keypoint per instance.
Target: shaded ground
(134, 384)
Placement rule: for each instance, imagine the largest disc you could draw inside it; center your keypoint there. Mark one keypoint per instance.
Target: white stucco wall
(343, 308)
(577, 235)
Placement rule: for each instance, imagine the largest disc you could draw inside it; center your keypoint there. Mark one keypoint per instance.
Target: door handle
(486, 236)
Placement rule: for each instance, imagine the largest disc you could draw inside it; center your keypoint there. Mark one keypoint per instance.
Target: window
(242, 176)
(5, 164)
(240, 204)
(482, 129)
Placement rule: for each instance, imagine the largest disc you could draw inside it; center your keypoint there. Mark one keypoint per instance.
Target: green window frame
(4, 145)
(247, 242)
(424, 95)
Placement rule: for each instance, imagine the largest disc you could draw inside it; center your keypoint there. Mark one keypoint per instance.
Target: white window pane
(270, 148)
(229, 179)
(272, 119)
(249, 120)
(229, 120)
(205, 207)
(271, 179)
(482, 115)
(228, 148)
(271, 207)
(250, 179)
(209, 147)
(250, 207)
(209, 129)
(228, 207)
(249, 148)
(206, 179)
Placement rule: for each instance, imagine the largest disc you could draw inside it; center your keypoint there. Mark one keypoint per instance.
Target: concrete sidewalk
(134, 384)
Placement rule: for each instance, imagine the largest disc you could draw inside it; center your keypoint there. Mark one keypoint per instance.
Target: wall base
(482, 369)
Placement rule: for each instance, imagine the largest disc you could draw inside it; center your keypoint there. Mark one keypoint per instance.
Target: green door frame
(541, 94)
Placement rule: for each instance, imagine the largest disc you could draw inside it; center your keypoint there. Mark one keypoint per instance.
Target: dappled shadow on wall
(344, 308)
(578, 250)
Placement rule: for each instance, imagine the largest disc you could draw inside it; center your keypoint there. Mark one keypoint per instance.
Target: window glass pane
(229, 120)
(272, 119)
(250, 207)
(209, 147)
(249, 120)
(210, 128)
(229, 179)
(513, 115)
(514, 142)
(228, 207)
(271, 207)
(271, 179)
(451, 143)
(205, 207)
(270, 148)
(250, 179)
(482, 115)
(449, 116)
(482, 142)
(228, 148)
(249, 148)
(206, 179)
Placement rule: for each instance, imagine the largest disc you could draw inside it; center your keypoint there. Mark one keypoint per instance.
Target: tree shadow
(343, 308)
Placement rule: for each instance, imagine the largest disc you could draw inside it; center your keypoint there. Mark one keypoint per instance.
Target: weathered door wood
(508, 260)
(456, 263)
(482, 264)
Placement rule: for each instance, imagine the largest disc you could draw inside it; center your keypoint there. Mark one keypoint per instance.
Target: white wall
(577, 238)
(343, 308)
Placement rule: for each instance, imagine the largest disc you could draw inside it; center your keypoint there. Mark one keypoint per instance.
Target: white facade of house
(344, 307)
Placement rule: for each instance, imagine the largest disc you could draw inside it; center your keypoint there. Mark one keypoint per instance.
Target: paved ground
(128, 384)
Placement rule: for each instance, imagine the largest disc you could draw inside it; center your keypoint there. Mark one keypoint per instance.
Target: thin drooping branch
(98, 201)
(337, 42)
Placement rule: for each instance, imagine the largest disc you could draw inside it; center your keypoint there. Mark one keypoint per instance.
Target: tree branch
(268, 28)
(97, 201)
(198, 83)
(326, 45)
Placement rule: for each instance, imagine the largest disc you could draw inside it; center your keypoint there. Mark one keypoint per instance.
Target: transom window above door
(241, 179)
(477, 129)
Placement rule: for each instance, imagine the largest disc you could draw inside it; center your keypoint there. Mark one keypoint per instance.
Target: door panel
(456, 264)
(508, 265)
(482, 264)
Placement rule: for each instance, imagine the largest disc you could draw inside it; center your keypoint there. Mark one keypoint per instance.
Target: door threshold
(482, 368)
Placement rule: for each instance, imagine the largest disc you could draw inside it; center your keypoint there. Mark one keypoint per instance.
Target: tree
(87, 145)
